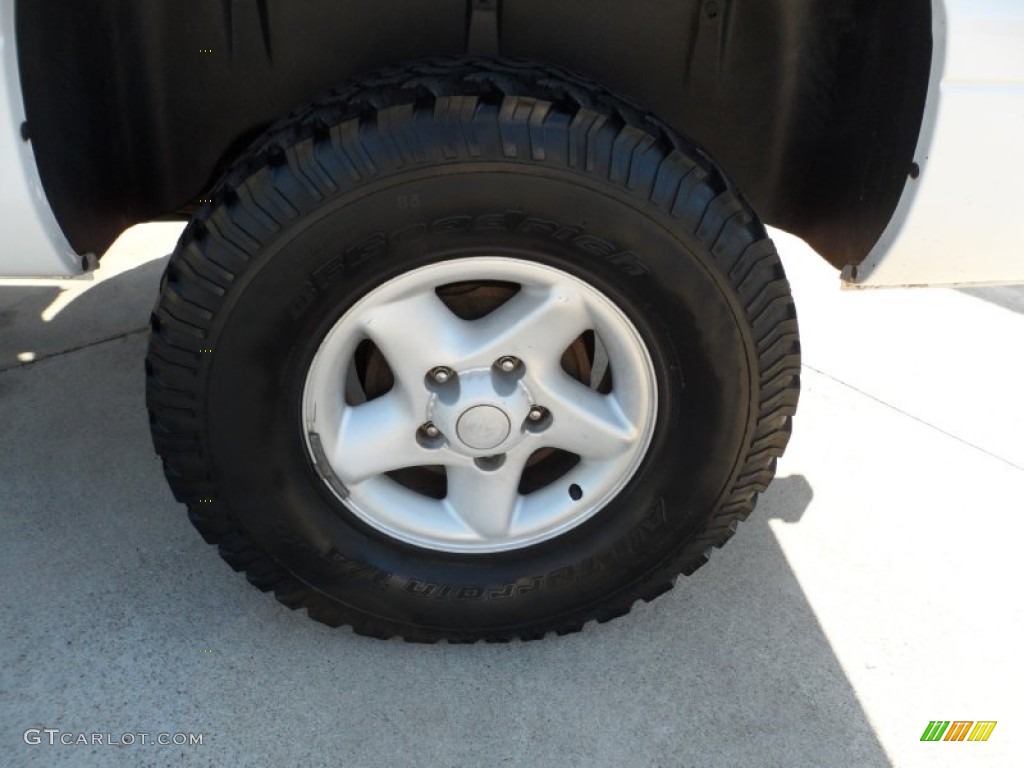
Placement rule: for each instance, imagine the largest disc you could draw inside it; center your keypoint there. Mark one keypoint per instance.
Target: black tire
(310, 219)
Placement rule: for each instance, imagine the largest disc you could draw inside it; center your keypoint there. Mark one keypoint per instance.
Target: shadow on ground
(1009, 297)
(30, 329)
(118, 618)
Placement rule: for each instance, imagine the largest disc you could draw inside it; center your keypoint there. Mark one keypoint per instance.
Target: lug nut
(429, 436)
(508, 364)
(536, 413)
(441, 374)
(490, 463)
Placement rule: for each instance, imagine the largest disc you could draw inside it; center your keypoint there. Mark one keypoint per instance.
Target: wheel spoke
(536, 325)
(487, 501)
(584, 422)
(416, 334)
(377, 437)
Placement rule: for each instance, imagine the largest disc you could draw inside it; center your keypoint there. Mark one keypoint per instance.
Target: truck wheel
(471, 350)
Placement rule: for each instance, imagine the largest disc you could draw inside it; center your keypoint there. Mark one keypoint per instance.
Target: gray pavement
(875, 588)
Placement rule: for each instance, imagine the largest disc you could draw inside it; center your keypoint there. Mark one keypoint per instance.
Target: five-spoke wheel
(528, 417)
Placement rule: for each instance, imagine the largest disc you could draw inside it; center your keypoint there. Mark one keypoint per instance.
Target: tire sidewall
(666, 283)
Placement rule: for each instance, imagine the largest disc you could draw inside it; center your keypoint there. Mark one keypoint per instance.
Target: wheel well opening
(813, 107)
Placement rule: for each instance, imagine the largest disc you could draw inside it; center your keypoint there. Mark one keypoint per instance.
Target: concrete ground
(876, 588)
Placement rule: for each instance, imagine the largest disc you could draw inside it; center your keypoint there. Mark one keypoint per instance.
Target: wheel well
(812, 106)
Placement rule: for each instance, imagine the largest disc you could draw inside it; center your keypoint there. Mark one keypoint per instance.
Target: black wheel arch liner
(813, 107)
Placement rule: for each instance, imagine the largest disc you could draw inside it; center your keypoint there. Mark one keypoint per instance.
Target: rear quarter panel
(959, 221)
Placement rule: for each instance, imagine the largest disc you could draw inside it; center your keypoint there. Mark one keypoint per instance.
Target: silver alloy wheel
(479, 398)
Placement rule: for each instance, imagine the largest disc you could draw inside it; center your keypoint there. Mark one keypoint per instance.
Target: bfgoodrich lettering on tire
(471, 350)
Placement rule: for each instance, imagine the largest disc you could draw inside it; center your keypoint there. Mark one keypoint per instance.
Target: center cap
(483, 427)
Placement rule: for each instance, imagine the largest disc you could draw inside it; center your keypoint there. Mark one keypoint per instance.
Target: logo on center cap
(483, 427)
